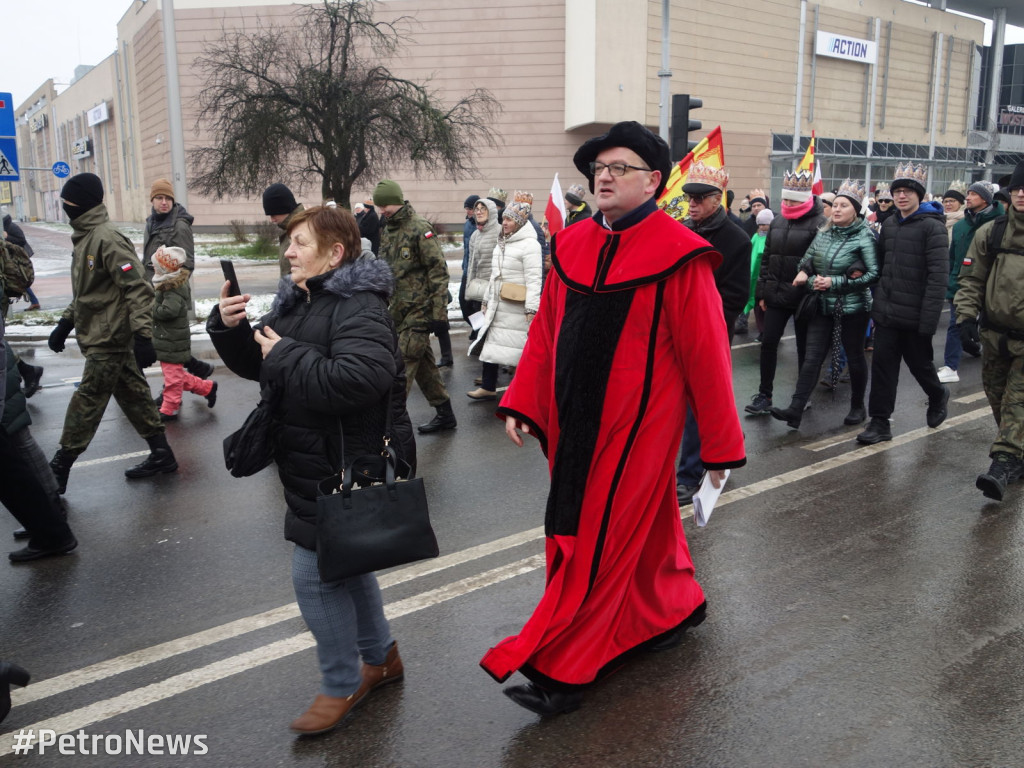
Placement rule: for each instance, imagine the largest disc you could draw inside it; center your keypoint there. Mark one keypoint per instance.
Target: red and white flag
(554, 212)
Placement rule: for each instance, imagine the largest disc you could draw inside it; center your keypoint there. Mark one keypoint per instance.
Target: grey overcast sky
(49, 38)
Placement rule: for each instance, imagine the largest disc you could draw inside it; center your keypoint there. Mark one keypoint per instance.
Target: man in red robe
(629, 333)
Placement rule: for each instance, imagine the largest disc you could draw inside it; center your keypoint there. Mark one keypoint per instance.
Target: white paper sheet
(705, 498)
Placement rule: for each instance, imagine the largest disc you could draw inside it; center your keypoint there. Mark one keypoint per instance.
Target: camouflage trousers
(106, 374)
(420, 366)
(1002, 376)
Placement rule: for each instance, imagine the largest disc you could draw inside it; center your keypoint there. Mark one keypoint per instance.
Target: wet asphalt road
(866, 605)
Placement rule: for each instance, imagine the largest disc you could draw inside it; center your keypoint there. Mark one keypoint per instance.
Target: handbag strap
(388, 422)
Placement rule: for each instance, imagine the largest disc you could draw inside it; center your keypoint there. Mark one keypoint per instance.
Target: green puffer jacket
(995, 282)
(112, 298)
(831, 254)
(410, 247)
(963, 234)
(171, 336)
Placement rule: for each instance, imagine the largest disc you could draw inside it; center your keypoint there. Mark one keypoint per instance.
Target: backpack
(995, 237)
(18, 272)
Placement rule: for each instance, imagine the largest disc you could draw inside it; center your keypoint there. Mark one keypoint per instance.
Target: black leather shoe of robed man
(674, 637)
(877, 431)
(542, 701)
(32, 553)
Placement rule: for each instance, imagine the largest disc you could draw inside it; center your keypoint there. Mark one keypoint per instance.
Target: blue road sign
(6, 115)
(61, 169)
(9, 159)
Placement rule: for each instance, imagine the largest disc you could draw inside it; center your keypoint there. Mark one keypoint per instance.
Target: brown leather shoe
(325, 713)
(376, 675)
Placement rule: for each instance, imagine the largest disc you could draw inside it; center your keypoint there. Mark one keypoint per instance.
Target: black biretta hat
(631, 135)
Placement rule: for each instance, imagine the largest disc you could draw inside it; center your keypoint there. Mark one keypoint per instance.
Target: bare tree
(316, 100)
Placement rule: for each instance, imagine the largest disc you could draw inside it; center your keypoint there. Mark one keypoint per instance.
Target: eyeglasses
(902, 191)
(699, 198)
(615, 169)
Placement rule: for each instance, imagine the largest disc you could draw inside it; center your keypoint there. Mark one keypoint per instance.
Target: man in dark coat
(15, 234)
(908, 302)
(369, 225)
(711, 220)
(279, 204)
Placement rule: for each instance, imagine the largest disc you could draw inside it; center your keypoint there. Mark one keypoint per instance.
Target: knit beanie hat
(166, 262)
(470, 201)
(388, 192)
(278, 199)
(575, 194)
(763, 201)
(162, 187)
(954, 194)
(984, 190)
(828, 197)
(519, 213)
(84, 190)
(765, 217)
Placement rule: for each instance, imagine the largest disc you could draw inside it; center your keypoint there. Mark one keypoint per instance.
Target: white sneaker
(947, 375)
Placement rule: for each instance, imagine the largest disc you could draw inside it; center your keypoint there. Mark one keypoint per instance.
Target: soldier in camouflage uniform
(112, 314)
(419, 305)
(988, 308)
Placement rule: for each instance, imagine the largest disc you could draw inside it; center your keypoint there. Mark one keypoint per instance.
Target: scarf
(797, 211)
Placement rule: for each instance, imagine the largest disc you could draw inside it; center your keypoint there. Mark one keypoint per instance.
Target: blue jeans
(31, 296)
(690, 467)
(347, 620)
(954, 350)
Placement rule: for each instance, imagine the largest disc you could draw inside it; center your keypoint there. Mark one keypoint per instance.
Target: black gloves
(437, 326)
(145, 354)
(60, 334)
(969, 333)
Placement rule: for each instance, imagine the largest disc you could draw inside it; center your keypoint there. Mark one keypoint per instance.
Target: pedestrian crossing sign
(9, 160)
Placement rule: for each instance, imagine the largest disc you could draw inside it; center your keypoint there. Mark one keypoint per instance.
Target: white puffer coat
(481, 249)
(516, 260)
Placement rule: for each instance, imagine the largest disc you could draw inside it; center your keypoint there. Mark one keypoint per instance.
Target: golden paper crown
(852, 189)
(497, 193)
(519, 196)
(797, 181)
(959, 186)
(882, 191)
(915, 173)
(705, 174)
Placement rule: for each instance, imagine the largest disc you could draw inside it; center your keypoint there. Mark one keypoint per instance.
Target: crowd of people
(601, 325)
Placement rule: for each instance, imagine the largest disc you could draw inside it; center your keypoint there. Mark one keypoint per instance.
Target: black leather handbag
(368, 518)
(251, 448)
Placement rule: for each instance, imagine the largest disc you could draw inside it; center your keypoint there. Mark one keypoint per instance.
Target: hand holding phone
(228, 268)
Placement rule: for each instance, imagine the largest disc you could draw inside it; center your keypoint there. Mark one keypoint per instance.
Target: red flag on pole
(554, 212)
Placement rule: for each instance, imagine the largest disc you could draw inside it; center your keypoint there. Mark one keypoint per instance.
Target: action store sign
(849, 48)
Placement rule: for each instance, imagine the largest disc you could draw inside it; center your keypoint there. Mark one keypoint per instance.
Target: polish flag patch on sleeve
(967, 261)
(126, 267)
(429, 235)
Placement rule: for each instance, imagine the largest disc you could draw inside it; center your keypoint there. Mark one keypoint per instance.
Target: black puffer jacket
(732, 278)
(337, 359)
(787, 243)
(914, 256)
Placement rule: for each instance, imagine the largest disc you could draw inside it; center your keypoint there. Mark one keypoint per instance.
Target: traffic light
(682, 105)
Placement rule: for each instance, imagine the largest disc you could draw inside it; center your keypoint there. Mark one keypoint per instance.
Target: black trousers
(819, 341)
(775, 319)
(24, 496)
(891, 347)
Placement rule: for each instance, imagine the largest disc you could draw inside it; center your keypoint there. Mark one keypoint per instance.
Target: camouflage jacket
(112, 298)
(411, 249)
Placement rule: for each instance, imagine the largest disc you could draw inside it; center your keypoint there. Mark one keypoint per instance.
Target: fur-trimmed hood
(172, 281)
(361, 275)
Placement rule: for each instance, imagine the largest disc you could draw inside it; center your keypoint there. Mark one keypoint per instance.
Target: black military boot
(199, 368)
(791, 415)
(445, 419)
(877, 431)
(61, 466)
(160, 459)
(31, 376)
(1005, 469)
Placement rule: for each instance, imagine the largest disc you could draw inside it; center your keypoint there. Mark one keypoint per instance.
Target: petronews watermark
(134, 742)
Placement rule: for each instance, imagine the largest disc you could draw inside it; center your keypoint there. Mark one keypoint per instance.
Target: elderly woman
(511, 299)
(840, 266)
(326, 356)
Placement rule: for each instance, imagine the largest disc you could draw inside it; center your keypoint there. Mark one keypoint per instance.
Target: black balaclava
(85, 190)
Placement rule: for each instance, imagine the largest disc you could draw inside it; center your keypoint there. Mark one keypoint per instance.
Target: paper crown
(519, 196)
(575, 193)
(959, 186)
(496, 193)
(705, 174)
(852, 189)
(797, 185)
(519, 212)
(910, 172)
(882, 191)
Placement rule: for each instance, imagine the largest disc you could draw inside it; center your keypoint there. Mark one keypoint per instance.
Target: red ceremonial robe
(630, 331)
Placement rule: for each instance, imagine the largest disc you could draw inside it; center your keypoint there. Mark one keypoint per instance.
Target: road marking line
(966, 399)
(108, 459)
(186, 681)
(758, 343)
(243, 662)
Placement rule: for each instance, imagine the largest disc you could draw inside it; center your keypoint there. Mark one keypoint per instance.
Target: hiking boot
(160, 459)
(31, 376)
(168, 416)
(857, 415)
(878, 431)
(61, 466)
(211, 399)
(445, 419)
(791, 415)
(199, 368)
(760, 405)
(936, 413)
(1005, 469)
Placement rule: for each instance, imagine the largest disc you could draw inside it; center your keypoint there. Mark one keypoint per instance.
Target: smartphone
(228, 268)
